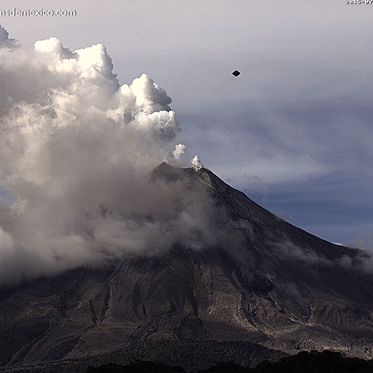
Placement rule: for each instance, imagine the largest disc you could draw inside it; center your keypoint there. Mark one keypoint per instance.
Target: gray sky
(294, 131)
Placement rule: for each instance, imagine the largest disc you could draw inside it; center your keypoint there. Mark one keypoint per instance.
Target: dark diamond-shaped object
(236, 73)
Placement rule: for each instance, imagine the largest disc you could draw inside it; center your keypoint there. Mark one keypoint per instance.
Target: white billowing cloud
(196, 163)
(76, 152)
(179, 151)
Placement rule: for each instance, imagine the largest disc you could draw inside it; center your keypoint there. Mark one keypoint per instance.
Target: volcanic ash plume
(76, 151)
(179, 151)
(196, 163)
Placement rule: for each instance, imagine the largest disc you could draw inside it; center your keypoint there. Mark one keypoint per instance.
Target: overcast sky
(294, 131)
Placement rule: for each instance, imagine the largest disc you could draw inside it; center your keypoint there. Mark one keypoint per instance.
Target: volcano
(283, 290)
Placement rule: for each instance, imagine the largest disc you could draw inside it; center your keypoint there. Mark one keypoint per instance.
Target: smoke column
(76, 151)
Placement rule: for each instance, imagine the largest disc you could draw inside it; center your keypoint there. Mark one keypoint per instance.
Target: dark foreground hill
(304, 362)
(280, 289)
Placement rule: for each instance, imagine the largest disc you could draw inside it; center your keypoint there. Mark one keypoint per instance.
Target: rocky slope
(280, 287)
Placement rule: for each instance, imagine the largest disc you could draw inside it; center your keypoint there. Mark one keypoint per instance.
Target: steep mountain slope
(266, 283)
